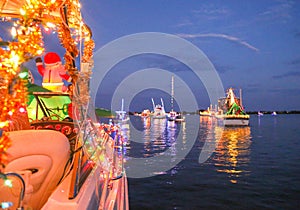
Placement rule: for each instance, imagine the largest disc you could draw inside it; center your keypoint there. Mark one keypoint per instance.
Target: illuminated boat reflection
(233, 152)
(153, 139)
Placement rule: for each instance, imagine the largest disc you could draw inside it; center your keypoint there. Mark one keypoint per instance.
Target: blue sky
(253, 45)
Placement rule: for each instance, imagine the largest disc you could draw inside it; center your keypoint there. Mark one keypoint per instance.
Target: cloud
(223, 69)
(211, 12)
(206, 12)
(288, 74)
(295, 62)
(281, 12)
(288, 91)
(296, 33)
(184, 23)
(223, 36)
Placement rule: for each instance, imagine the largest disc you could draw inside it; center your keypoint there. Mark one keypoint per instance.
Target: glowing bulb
(8, 183)
(39, 52)
(14, 59)
(10, 113)
(50, 25)
(5, 205)
(13, 32)
(22, 110)
(23, 75)
(22, 12)
(3, 124)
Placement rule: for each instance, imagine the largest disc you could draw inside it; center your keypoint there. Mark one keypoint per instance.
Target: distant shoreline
(277, 112)
(107, 113)
(270, 112)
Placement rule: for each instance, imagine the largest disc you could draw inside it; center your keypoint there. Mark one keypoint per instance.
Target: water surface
(253, 167)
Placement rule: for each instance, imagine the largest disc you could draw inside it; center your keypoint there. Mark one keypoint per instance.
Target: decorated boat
(53, 153)
(231, 111)
(121, 115)
(205, 112)
(208, 112)
(145, 113)
(158, 110)
(173, 115)
(259, 113)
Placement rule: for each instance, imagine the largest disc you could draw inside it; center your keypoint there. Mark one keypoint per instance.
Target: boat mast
(172, 93)
(241, 103)
(122, 106)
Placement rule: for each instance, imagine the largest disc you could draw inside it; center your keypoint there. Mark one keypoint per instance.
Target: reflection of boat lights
(146, 122)
(233, 151)
(183, 127)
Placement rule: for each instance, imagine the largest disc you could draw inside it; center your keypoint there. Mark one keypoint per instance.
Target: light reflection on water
(158, 136)
(231, 145)
(255, 167)
(232, 154)
(155, 138)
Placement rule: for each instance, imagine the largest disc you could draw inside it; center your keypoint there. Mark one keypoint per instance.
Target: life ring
(58, 127)
(67, 130)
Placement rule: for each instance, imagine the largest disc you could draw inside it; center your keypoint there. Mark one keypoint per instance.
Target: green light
(8, 183)
(5, 205)
(23, 75)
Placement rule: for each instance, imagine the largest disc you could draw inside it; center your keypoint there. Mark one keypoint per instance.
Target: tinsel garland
(5, 143)
(89, 46)
(13, 96)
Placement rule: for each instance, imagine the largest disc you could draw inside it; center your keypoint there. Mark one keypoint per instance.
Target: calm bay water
(255, 167)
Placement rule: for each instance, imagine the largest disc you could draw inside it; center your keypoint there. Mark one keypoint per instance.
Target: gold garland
(5, 143)
(13, 97)
(64, 34)
(89, 46)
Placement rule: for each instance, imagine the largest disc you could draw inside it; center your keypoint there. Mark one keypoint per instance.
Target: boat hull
(90, 196)
(235, 122)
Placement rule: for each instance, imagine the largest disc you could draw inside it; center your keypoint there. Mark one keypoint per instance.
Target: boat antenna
(162, 104)
(153, 104)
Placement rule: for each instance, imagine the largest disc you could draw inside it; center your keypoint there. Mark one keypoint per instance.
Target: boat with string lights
(158, 110)
(121, 115)
(54, 154)
(173, 115)
(231, 111)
